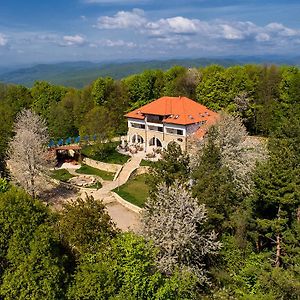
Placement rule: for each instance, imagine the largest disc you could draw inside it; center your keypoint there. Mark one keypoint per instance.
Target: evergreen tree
(173, 165)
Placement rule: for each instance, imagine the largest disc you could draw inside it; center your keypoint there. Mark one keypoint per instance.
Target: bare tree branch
(27, 152)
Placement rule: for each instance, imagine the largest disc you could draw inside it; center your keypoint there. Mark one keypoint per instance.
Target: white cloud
(178, 25)
(123, 19)
(263, 37)
(73, 40)
(112, 43)
(3, 40)
(118, 43)
(231, 33)
(171, 30)
(281, 30)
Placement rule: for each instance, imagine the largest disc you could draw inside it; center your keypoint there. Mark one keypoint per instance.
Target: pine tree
(277, 199)
(174, 165)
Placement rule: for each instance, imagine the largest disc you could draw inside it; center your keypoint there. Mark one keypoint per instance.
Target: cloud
(3, 40)
(262, 37)
(177, 25)
(281, 30)
(172, 30)
(122, 19)
(112, 43)
(73, 40)
(231, 33)
(118, 43)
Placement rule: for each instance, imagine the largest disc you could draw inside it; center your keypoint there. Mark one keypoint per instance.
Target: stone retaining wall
(139, 171)
(127, 204)
(114, 168)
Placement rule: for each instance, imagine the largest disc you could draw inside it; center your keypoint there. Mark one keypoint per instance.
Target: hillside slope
(79, 74)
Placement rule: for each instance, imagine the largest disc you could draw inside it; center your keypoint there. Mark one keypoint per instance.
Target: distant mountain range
(79, 74)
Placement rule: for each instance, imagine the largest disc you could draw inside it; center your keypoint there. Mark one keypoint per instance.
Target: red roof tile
(176, 110)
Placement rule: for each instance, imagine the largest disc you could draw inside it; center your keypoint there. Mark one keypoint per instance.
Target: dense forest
(246, 242)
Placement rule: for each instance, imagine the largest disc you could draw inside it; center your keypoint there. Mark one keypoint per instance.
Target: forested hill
(80, 74)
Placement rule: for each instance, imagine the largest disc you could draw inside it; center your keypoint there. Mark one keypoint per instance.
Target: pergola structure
(71, 151)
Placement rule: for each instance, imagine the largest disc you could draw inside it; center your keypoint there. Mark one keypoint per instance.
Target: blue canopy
(77, 140)
(60, 142)
(51, 144)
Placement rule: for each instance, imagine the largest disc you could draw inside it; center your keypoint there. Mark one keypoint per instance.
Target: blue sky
(37, 31)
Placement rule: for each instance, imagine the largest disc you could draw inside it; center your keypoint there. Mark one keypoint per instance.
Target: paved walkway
(123, 217)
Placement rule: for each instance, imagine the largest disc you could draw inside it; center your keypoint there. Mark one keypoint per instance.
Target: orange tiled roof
(176, 110)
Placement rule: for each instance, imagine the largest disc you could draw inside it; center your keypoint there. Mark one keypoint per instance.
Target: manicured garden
(105, 152)
(134, 190)
(61, 174)
(85, 169)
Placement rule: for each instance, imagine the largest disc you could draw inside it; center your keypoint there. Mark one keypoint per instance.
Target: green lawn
(105, 152)
(61, 174)
(147, 163)
(85, 169)
(135, 190)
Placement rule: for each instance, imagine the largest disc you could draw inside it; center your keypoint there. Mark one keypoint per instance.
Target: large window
(155, 128)
(174, 131)
(137, 125)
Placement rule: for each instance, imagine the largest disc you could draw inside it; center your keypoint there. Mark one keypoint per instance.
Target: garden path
(124, 218)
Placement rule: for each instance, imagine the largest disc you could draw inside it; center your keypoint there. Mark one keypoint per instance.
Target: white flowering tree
(239, 152)
(27, 152)
(175, 222)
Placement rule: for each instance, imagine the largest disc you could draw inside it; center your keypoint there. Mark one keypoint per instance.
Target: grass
(147, 163)
(85, 169)
(105, 152)
(61, 174)
(135, 190)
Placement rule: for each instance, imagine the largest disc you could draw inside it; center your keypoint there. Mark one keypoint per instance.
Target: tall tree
(276, 200)
(85, 225)
(173, 165)
(27, 153)
(101, 89)
(44, 96)
(41, 274)
(175, 222)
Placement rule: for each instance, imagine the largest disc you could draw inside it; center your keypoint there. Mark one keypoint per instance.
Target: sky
(46, 31)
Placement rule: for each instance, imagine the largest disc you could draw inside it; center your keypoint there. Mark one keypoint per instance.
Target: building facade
(168, 119)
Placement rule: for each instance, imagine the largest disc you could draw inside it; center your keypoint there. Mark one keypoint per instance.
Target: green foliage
(174, 165)
(277, 197)
(173, 79)
(4, 185)
(144, 88)
(96, 122)
(101, 89)
(61, 174)
(61, 117)
(33, 263)
(126, 270)
(105, 152)
(44, 96)
(20, 216)
(41, 274)
(213, 186)
(85, 225)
